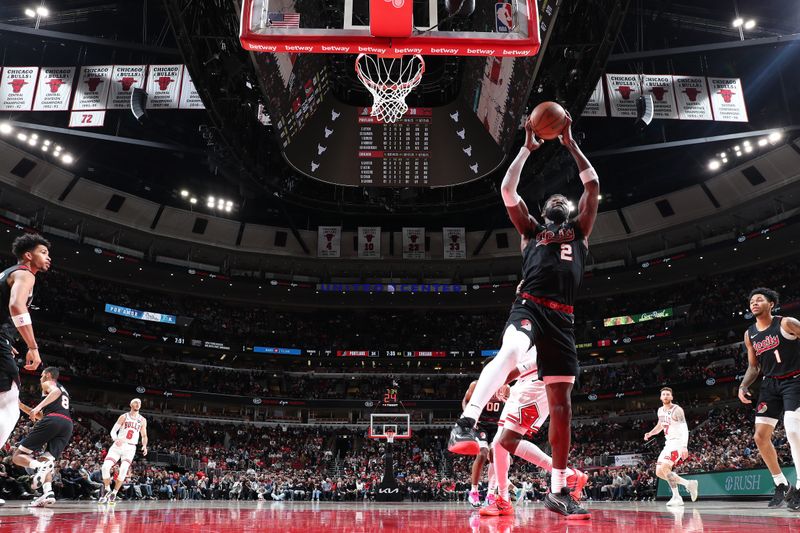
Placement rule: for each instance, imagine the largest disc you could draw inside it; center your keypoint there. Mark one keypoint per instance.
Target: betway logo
(371, 50)
(516, 52)
(408, 50)
(297, 48)
(479, 51)
(263, 47)
(444, 50)
(334, 48)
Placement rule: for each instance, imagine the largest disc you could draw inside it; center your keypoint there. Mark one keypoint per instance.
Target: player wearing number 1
(554, 254)
(125, 434)
(773, 349)
(52, 432)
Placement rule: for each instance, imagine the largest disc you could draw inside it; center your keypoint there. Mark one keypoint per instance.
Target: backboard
(380, 423)
(496, 28)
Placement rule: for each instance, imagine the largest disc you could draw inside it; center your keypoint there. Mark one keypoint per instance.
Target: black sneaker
(793, 499)
(463, 438)
(565, 505)
(780, 496)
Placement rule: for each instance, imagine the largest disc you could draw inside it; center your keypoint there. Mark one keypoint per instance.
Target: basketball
(548, 120)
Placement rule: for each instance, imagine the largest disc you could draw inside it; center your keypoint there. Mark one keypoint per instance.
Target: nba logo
(504, 19)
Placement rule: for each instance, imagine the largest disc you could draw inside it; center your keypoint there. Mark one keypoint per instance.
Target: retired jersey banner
(692, 96)
(91, 91)
(663, 92)
(54, 89)
(17, 87)
(623, 90)
(124, 79)
(87, 119)
(413, 243)
(163, 86)
(329, 241)
(190, 98)
(727, 99)
(455, 243)
(369, 242)
(596, 106)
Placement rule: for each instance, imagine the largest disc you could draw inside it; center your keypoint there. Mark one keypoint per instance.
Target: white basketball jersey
(129, 433)
(665, 418)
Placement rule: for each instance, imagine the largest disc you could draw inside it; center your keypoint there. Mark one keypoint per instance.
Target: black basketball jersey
(60, 406)
(491, 411)
(7, 328)
(778, 351)
(553, 264)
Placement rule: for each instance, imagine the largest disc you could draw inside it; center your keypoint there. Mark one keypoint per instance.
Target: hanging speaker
(138, 102)
(644, 110)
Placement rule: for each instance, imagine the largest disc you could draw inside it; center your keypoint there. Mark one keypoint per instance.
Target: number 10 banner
(369, 242)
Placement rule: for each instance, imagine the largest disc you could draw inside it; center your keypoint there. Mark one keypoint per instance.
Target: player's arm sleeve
(515, 205)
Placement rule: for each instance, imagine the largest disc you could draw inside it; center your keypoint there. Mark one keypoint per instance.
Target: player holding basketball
(672, 421)
(52, 431)
(524, 413)
(553, 260)
(487, 426)
(16, 293)
(125, 435)
(773, 349)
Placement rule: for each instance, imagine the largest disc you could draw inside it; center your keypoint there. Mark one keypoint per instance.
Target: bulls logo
(127, 82)
(625, 91)
(55, 84)
(454, 238)
(369, 237)
(396, 3)
(17, 85)
(726, 95)
(329, 236)
(526, 325)
(692, 93)
(413, 237)
(762, 408)
(93, 83)
(658, 93)
(163, 82)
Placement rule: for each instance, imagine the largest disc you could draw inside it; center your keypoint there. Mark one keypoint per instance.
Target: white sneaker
(2, 501)
(44, 500)
(112, 498)
(475, 498)
(103, 499)
(676, 500)
(692, 488)
(41, 474)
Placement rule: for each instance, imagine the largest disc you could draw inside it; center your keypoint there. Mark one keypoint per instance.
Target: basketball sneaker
(48, 498)
(576, 482)
(463, 438)
(475, 498)
(103, 499)
(500, 507)
(793, 499)
(490, 498)
(112, 498)
(41, 474)
(779, 497)
(675, 500)
(563, 504)
(692, 488)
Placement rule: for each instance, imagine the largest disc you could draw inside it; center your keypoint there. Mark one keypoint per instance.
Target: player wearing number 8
(125, 434)
(773, 349)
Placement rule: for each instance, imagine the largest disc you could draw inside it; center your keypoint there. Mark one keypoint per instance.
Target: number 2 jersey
(777, 350)
(553, 263)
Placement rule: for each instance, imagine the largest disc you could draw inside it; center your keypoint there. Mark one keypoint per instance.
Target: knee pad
(106, 469)
(123, 470)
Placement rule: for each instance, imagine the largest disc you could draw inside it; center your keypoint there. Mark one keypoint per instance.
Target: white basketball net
(389, 80)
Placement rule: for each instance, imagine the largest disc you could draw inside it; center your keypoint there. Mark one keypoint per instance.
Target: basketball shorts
(121, 453)
(553, 334)
(527, 408)
(9, 371)
(778, 395)
(486, 433)
(670, 454)
(51, 433)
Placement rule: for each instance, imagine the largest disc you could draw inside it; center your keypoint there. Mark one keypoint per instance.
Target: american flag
(284, 20)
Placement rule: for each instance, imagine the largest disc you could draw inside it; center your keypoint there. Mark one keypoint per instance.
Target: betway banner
(635, 318)
(756, 482)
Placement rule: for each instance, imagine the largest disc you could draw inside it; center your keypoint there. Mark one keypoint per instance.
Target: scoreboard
(395, 154)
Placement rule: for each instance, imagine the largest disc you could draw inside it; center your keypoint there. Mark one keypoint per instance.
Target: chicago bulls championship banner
(329, 241)
(455, 243)
(164, 86)
(124, 79)
(692, 96)
(663, 91)
(54, 89)
(91, 91)
(596, 106)
(727, 99)
(17, 87)
(623, 90)
(190, 98)
(369, 242)
(413, 243)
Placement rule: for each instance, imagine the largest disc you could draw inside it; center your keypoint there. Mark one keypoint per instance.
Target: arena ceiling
(224, 152)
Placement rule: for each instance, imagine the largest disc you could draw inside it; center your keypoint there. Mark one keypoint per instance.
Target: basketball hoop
(389, 80)
(390, 436)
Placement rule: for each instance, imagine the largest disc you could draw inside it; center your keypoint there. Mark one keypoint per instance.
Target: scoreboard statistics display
(428, 147)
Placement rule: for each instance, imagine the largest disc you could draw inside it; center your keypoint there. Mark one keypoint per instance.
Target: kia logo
(140, 389)
(711, 382)
(257, 401)
(368, 404)
(592, 397)
(112, 329)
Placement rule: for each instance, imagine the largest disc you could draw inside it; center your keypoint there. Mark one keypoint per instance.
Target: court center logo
(396, 3)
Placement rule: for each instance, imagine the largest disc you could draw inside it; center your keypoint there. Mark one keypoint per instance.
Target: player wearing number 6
(125, 434)
(52, 432)
(773, 350)
(554, 254)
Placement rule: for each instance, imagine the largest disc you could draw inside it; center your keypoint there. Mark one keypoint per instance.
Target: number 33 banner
(369, 242)
(455, 245)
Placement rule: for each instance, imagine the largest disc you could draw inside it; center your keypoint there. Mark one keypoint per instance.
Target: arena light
(22, 137)
(762, 142)
(750, 24)
(713, 164)
(738, 22)
(32, 141)
(5, 128)
(67, 159)
(775, 136)
(193, 201)
(42, 11)
(30, 13)
(184, 193)
(748, 148)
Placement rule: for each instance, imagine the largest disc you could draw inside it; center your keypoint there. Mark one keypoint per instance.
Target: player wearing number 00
(554, 251)
(773, 349)
(125, 434)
